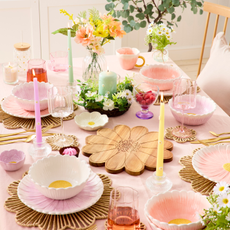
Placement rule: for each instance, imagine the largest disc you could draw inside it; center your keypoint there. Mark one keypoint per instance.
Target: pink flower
(84, 36)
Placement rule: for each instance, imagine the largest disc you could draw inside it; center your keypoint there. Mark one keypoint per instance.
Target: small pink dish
(24, 95)
(199, 115)
(12, 160)
(160, 75)
(176, 210)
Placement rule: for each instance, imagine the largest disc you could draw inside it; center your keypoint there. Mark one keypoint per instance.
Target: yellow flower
(100, 32)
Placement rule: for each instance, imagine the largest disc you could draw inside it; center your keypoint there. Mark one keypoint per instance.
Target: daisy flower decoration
(221, 188)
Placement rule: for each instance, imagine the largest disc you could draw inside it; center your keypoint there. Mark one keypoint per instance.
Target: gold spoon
(28, 139)
(217, 135)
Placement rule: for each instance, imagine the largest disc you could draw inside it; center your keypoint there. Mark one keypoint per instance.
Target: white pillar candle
(10, 73)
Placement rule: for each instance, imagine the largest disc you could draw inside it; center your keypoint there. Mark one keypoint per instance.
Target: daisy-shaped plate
(125, 148)
(213, 163)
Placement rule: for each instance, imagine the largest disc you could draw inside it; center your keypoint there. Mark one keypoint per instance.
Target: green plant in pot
(138, 14)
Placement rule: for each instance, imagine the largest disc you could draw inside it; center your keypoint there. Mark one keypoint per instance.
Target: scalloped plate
(211, 161)
(32, 198)
(11, 107)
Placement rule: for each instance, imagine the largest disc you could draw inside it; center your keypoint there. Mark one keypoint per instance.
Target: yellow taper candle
(160, 149)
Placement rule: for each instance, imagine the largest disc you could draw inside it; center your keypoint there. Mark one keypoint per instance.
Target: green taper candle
(70, 59)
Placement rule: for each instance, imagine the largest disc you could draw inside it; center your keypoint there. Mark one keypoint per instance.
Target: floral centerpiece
(120, 102)
(160, 37)
(93, 33)
(218, 216)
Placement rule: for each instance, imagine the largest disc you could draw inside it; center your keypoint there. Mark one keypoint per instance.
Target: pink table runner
(219, 122)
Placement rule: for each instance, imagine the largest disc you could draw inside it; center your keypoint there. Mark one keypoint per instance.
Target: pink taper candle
(37, 112)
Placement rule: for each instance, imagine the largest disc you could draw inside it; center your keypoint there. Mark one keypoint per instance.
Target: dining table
(219, 122)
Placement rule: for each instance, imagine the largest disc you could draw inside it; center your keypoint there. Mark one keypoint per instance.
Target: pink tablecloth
(219, 122)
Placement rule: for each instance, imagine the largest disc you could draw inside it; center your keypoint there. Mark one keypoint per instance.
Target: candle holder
(39, 149)
(158, 184)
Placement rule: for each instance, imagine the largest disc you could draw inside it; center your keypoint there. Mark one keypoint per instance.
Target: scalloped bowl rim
(61, 189)
(165, 223)
(162, 81)
(29, 83)
(200, 150)
(23, 156)
(90, 127)
(194, 115)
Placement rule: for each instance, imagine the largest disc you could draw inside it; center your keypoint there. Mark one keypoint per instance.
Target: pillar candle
(70, 60)
(37, 112)
(10, 73)
(160, 148)
(107, 83)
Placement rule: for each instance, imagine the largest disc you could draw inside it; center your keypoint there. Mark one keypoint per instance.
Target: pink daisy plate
(213, 163)
(32, 198)
(11, 107)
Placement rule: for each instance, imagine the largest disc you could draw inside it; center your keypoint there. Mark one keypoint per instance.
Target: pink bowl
(8, 157)
(160, 75)
(168, 206)
(24, 95)
(203, 111)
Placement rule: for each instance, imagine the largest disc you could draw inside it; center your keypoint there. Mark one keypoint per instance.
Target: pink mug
(128, 57)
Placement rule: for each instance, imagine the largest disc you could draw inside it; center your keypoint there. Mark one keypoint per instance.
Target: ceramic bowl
(176, 206)
(91, 121)
(24, 95)
(59, 168)
(203, 111)
(160, 75)
(12, 160)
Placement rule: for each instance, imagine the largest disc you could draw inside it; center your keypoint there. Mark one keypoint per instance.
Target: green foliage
(138, 13)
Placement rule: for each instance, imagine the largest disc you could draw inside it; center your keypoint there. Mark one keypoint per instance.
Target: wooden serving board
(125, 148)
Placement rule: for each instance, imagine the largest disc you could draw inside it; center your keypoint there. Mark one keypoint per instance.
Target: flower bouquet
(160, 37)
(120, 102)
(93, 33)
(218, 216)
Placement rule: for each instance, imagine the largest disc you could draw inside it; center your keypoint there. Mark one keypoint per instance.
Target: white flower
(151, 24)
(106, 96)
(129, 99)
(168, 37)
(149, 31)
(216, 209)
(108, 105)
(167, 32)
(221, 187)
(99, 98)
(127, 93)
(224, 200)
(159, 32)
(77, 20)
(163, 28)
(90, 94)
(228, 217)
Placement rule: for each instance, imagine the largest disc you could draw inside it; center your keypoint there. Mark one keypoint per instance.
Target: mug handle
(142, 62)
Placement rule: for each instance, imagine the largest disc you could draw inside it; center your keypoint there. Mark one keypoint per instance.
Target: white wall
(38, 18)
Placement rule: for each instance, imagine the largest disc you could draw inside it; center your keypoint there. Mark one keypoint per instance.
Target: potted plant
(138, 14)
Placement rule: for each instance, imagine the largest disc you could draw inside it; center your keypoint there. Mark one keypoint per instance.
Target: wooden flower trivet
(142, 226)
(85, 219)
(11, 122)
(170, 136)
(189, 174)
(124, 148)
(51, 141)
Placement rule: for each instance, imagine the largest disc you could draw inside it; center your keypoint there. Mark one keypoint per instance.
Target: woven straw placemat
(85, 219)
(11, 122)
(189, 174)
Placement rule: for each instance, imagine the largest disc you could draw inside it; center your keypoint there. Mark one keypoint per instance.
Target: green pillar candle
(70, 58)
(107, 83)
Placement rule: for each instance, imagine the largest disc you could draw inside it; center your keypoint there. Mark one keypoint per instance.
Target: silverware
(28, 139)
(217, 135)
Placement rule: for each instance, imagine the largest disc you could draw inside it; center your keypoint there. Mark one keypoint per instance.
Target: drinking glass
(145, 95)
(59, 61)
(39, 67)
(60, 104)
(123, 209)
(184, 98)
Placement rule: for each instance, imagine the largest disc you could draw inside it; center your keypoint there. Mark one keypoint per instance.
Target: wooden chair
(219, 11)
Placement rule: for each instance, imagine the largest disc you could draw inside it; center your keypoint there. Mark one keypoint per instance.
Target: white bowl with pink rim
(160, 75)
(128, 57)
(59, 177)
(176, 210)
(24, 95)
(199, 115)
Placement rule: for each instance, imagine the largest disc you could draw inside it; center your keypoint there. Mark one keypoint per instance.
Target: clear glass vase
(160, 56)
(93, 64)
